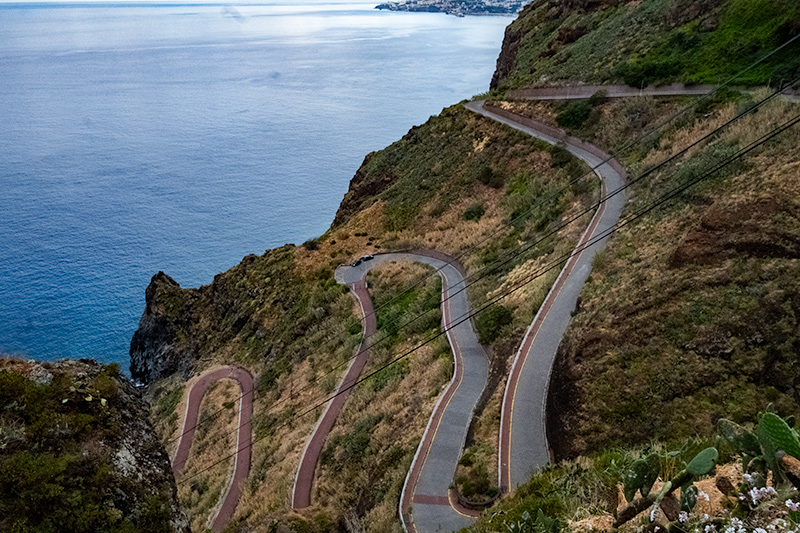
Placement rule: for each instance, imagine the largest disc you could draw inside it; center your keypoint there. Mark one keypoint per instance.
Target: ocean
(139, 137)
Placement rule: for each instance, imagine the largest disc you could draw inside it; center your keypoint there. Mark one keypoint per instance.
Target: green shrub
(474, 212)
(491, 322)
(574, 115)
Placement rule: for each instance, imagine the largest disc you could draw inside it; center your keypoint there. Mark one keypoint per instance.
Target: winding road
(241, 465)
(301, 493)
(426, 504)
(427, 483)
(523, 438)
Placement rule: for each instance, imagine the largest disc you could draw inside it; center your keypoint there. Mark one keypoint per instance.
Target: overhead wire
(554, 264)
(512, 254)
(530, 209)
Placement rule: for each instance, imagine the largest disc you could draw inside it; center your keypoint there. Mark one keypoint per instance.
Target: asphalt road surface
(523, 436)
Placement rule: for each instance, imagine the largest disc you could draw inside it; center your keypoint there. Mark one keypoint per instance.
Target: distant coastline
(459, 8)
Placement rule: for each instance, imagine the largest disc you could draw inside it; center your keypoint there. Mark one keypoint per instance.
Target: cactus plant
(775, 435)
(742, 440)
(703, 462)
(641, 476)
(688, 497)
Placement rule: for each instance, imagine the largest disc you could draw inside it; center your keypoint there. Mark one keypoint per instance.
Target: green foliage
(573, 115)
(703, 462)
(490, 323)
(488, 177)
(743, 441)
(775, 435)
(641, 476)
(474, 212)
(656, 41)
(688, 497)
(55, 475)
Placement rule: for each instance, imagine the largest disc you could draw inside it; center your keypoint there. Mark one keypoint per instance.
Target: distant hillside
(647, 41)
(77, 453)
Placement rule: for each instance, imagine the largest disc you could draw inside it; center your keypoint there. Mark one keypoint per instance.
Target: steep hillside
(77, 453)
(647, 41)
(459, 183)
(691, 314)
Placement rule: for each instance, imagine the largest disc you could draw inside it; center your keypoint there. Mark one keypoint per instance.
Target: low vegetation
(742, 480)
(284, 316)
(693, 308)
(366, 458)
(205, 481)
(649, 41)
(74, 455)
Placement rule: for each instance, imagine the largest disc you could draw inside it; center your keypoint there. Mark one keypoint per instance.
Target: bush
(489, 178)
(311, 244)
(574, 115)
(491, 322)
(474, 212)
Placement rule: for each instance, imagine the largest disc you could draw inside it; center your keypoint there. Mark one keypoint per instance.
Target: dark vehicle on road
(355, 263)
(367, 258)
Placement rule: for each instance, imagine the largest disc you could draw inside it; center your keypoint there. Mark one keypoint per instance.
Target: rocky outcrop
(155, 350)
(85, 428)
(363, 186)
(507, 57)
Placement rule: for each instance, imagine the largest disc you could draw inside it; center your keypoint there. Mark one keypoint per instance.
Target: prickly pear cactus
(774, 434)
(641, 476)
(742, 440)
(703, 462)
(688, 497)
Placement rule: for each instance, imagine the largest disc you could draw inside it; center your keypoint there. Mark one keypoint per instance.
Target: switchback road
(523, 437)
(241, 465)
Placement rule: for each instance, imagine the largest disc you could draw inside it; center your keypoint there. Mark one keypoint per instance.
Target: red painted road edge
(427, 440)
(301, 495)
(530, 335)
(241, 468)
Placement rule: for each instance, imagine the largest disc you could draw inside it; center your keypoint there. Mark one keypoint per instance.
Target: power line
(513, 254)
(540, 200)
(469, 315)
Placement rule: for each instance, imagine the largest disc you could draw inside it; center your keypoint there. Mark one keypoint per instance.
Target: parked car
(355, 263)
(367, 258)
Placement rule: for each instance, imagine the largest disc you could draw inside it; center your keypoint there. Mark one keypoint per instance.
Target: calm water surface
(181, 138)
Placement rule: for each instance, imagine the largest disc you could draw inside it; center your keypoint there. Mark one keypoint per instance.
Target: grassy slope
(652, 41)
(691, 313)
(283, 315)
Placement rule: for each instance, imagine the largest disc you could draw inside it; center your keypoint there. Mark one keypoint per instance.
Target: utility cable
(555, 264)
(512, 254)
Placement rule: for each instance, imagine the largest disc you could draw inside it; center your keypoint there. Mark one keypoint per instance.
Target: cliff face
(77, 452)
(155, 349)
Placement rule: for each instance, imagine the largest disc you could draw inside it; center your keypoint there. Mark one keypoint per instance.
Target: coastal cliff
(77, 452)
(155, 349)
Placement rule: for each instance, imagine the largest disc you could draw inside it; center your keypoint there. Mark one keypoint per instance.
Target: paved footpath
(425, 505)
(301, 493)
(523, 437)
(241, 465)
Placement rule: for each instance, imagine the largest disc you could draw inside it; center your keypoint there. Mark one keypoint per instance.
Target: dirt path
(241, 465)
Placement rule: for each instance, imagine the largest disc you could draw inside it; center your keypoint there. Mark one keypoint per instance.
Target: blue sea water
(138, 137)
